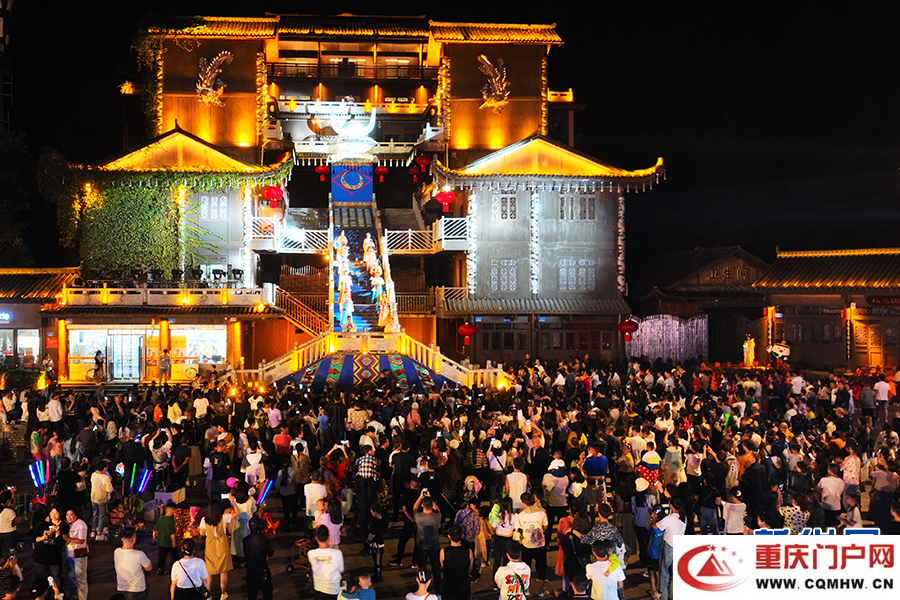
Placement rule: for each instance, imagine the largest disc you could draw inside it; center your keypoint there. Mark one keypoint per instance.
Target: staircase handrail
(302, 355)
(331, 267)
(299, 313)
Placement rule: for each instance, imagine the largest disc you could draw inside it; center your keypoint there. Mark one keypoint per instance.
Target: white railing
(267, 233)
(410, 241)
(303, 240)
(451, 228)
(302, 355)
(144, 296)
(449, 233)
(264, 228)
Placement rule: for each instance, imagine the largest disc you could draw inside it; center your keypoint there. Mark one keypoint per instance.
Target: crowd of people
(598, 467)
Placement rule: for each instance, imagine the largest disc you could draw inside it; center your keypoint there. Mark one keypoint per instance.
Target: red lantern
(627, 326)
(467, 330)
(273, 192)
(423, 161)
(322, 171)
(627, 337)
(414, 171)
(381, 171)
(446, 198)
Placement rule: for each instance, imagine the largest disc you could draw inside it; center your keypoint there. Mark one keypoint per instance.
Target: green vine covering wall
(122, 218)
(131, 226)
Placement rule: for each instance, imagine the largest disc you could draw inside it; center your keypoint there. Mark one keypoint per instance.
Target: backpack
(656, 541)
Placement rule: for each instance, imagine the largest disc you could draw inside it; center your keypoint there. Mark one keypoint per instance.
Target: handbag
(200, 591)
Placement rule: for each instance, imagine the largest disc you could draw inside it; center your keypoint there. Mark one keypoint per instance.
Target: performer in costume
(749, 351)
(345, 298)
(369, 253)
(377, 282)
(385, 319)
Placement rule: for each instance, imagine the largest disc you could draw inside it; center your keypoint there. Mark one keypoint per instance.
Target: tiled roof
(495, 32)
(162, 311)
(220, 27)
(353, 25)
(610, 306)
(668, 268)
(540, 156)
(34, 285)
(877, 268)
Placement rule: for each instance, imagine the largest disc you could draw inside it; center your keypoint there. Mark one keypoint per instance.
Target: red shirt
(282, 443)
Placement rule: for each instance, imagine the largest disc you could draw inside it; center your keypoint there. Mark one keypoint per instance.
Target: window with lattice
(503, 208)
(577, 274)
(503, 275)
(214, 208)
(577, 208)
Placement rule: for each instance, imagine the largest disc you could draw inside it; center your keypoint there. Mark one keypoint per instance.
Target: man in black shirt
(410, 495)
(220, 464)
(258, 551)
(181, 456)
(403, 463)
(67, 484)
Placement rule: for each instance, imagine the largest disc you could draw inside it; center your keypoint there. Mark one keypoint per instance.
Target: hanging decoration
(381, 171)
(627, 327)
(414, 171)
(273, 192)
(445, 198)
(322, 171)
(669, 337)
(467, 330)
(423, 161)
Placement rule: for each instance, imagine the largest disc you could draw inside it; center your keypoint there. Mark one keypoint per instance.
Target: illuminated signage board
(5, 317)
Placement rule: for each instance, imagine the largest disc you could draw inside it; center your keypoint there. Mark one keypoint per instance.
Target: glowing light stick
(133, 471)
(33, 478)
(265, 492)
(727, 419)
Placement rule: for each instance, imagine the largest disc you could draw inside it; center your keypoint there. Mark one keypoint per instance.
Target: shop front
(20, 334)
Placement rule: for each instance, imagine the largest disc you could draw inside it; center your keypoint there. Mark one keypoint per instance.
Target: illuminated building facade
(273, 134)
(835, 307)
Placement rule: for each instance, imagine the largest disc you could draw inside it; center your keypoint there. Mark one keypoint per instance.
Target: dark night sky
(779, 124)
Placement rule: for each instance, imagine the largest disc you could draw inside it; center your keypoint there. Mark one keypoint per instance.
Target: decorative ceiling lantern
(627, 327)
(322, 171)
(423, 161)
(273, 192)
(467, 330)
(381, 171)
(414, 171)
(445, 198)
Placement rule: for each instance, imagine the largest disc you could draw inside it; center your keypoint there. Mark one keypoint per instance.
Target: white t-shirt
(414, 596)
(604, 587)
(201, 405)
(882, 391)
(555, 488)
(78, 531)
(189, 572)
(518, 483)
(832, 488)
(533, 525)
(671, 526)
(327, 567)
(511, 579)
(734, 516)
(7, 515)
(797, 384)
(313, 493)
(130, 566)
